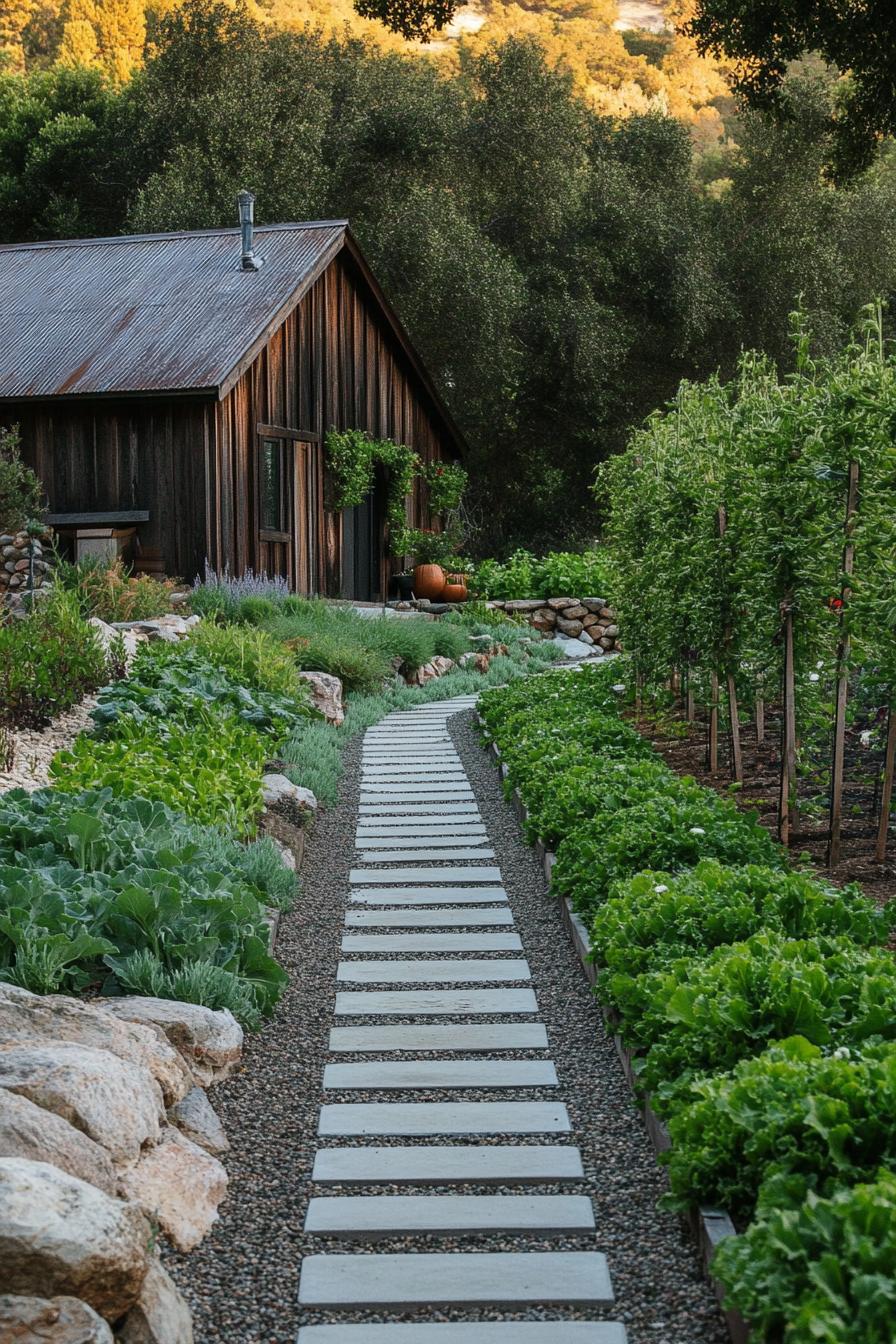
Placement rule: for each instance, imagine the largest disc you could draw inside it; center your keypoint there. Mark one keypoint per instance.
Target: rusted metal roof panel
(151, 314)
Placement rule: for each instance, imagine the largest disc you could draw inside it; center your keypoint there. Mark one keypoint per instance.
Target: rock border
(709, 1226)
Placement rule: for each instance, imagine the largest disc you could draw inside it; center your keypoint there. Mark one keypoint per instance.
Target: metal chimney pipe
(250, 260)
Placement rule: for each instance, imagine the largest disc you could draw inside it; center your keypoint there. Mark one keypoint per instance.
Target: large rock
(575, 613)
(61, 1236)
(161, 1315)
(179, 1186)
(210, 1040)
(570, 628)
(326, 695)
(114, 1102)
(30, 1132)
(58, 1320)
(115, 641)
(55, 1017)
(524, 604)
(561, 603)
(196, 1117)
(280, 792)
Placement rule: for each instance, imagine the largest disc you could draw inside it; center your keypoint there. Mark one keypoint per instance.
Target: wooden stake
(714, 724)
(836, 813)
(690, 703)
(886, 797)
(737, 762)
(787, 805)
(759, 711)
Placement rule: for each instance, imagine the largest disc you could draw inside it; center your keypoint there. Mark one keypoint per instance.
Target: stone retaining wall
(588, 619)
(21, 557)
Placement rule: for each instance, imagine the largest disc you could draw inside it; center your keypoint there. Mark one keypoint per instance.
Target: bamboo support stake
(886, 797)
(759, 713)
(737, 760)
(849, 550)
(787, 805)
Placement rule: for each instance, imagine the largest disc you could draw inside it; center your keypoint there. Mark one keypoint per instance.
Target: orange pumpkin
(429, 580)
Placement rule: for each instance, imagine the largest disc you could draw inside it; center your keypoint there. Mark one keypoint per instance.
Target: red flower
(835, 603)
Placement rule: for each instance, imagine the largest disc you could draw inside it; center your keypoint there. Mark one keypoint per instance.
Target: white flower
(820, 664)
(813, 676)
(660, 888)
(619, 688)
(842, 1052)
(865, 737)
(697, 830)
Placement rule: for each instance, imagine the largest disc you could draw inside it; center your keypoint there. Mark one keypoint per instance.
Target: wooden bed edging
(708, 1226)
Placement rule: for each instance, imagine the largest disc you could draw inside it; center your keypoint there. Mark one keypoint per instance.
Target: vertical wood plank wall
(332, 364)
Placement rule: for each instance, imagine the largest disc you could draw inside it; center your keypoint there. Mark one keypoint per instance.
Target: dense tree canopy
(559, 270)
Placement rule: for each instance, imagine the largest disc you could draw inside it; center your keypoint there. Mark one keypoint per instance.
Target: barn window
(271, 491)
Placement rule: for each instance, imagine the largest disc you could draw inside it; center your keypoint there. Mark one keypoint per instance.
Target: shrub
(791, 1111)
(820, 1271)
(127, 894)
(104, 589)
(557, 574)
(220, 594)
(253, 658)
(176, 683)
(655, 918)
(314, 760)
(211, 770)
(49, 659)
(21, 493)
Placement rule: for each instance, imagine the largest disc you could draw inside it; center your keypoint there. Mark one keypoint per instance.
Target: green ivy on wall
(446, 483)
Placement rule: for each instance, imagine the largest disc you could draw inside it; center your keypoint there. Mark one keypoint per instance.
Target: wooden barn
(177, 389)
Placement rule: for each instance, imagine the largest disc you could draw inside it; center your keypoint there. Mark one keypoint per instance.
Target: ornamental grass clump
(820, 1120)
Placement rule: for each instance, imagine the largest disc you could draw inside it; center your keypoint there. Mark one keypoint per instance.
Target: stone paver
(433, 1002)
(468, 1332)
(444, 1117)
(453, 1215)
(412, 1074)
(431, 942)
(361, 877)
(448, 855)
(494, 1279)
(432, 1164)
(429, 895)
(426, 918)
(431, 971)
(409, 838)
(423, 1036)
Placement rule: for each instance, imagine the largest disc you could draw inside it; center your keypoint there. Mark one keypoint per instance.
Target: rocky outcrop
(116, 1103)
(62, 1237)
(209, 1040)
(160, 1315)
(195, 1117)
(179, 1186)
(326, 695)
(57, 1320)
(436, 667)
(28, 1131)
(56, 1017)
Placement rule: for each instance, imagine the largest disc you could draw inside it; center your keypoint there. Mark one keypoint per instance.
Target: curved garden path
(433, 1142)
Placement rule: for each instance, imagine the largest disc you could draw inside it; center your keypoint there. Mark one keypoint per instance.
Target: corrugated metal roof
(152, 313)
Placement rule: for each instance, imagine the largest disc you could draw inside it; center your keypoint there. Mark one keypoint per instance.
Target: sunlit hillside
(624, 55)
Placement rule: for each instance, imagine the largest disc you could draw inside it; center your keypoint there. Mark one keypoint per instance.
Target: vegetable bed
(758, 1003)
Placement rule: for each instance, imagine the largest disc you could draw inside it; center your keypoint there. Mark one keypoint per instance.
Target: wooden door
(276, 493)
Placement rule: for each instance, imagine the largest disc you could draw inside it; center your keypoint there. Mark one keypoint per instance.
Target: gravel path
(242, 1282)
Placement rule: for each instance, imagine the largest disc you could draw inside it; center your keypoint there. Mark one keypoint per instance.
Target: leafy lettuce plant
(655, 918)
(210, 770)
(820, 1272)
(827, 1119)
(703, 1014)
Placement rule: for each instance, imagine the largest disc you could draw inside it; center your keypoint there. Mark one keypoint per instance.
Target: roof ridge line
(178, 233)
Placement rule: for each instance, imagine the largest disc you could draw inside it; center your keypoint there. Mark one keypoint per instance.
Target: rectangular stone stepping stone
(431, 972)
(418, 837)
(426, 918)
(380, 789)
(427, 895)
(421, 808)
(427, 855)
(400, 1215)
(431, 942)
(426, 876)
(423, 1036)
(494, 1279)
(444, 1117)
(468, 1332)
(426, 827)
(432, 1002)
(441, 1073)
(440, 770)
(431, 1164)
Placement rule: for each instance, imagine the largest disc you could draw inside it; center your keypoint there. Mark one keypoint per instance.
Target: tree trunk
(836, 814)
(787, 807)
(886, 797)
(714, 724)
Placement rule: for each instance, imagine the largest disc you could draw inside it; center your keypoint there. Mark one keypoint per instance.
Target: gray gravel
(241, 1283)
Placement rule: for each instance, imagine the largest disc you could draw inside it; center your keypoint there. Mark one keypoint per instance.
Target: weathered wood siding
(333, 363)
(130, 454)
